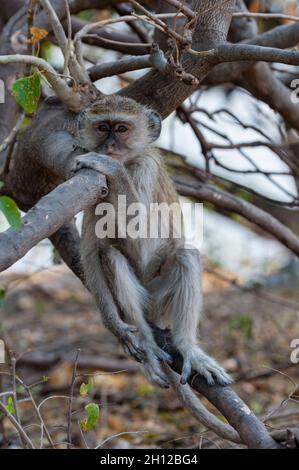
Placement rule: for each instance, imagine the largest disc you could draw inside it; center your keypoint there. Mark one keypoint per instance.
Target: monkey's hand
(151, 364)
(109, 167)
(196, 360)
(128, 338)
(145, 350)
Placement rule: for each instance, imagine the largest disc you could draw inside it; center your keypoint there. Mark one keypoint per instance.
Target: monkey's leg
(134, 300)
(179, 296)
(97, 284)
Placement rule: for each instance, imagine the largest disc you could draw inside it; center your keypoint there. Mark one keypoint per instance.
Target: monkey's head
(119, 127)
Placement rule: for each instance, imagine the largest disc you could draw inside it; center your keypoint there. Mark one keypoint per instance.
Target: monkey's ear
(154, 124)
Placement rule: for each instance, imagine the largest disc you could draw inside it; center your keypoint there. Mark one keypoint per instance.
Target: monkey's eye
(122, 129)
(103, 128)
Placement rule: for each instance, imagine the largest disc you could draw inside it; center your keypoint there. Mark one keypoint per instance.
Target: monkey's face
(119, 127)
(114, 137)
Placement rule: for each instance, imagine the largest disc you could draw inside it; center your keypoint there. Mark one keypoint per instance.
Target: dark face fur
(119, 127)
(113, 136)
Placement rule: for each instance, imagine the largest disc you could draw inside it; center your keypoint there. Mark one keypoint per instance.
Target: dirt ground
(48, 316)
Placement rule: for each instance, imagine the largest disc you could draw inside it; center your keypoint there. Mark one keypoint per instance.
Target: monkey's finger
(186, 372)
(131, 350)
(155, 376)
(164, 356)
(208, 376)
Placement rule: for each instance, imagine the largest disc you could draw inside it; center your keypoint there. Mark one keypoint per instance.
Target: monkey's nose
(110, 148)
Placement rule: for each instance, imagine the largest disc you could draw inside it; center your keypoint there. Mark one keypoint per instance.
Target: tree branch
(197, 409)
(275, 94)
(77, 68)
(112, 39)
(226, 201)
(281, 37)
(155, 59)
(247, 52)
(66, 94)
(52, 212)
(161, 91)
(252, 431)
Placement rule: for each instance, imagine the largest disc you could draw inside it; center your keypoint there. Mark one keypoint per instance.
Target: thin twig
(77, 69)
(11, 137)
(117, 435)
(14, 387)
(70, 407)
(37, 410)
(266, 16)
(69, 37)
(17, 425)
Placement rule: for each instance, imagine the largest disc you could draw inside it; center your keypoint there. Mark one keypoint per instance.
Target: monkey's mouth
(114, 155)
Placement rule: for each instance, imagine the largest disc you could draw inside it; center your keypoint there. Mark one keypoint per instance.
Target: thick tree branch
(281, 37)
(252, 431)
(52, 212)
(264, 85)
(160, 90)
(197, 409)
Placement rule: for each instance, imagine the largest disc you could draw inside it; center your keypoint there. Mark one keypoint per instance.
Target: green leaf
(85, 389)
(27, 91)
(11, 212)
(2, 295)
(21, 389)
(47, 48)
(10, 406)
(93, 414)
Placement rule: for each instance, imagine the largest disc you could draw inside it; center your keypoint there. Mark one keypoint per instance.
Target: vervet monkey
(143, 279)
(134, 280)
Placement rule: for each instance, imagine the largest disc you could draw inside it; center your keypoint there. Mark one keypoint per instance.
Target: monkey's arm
(97, 284)
(57, 153)
(118, 178)
(133, 301)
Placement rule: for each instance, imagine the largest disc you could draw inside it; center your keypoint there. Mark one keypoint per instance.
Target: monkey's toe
(199, 362)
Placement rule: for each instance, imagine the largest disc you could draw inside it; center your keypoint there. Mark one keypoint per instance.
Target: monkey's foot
(195, 360)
